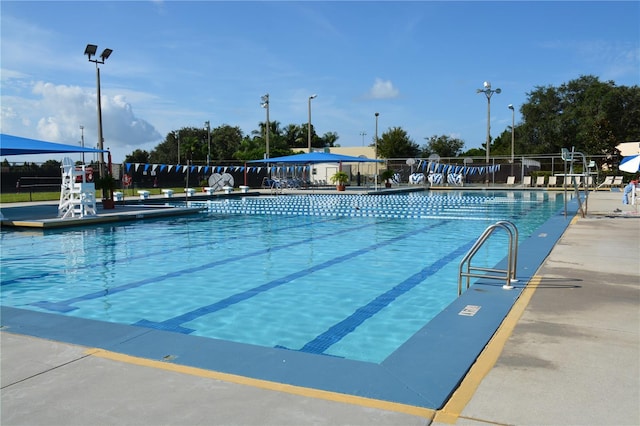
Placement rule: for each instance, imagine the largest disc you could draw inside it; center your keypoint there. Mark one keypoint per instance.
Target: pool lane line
(129, 258)
(334, 334)
(66, 305)
(487, 359)
(264, 384)
(175, 324)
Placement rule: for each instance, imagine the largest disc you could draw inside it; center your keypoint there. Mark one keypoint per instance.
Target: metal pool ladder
(509, 275)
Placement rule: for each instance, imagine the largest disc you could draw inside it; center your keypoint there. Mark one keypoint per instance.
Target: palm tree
(330, 138)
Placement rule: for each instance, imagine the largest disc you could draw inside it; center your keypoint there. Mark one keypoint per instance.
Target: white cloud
(383, 89)
(58, 111)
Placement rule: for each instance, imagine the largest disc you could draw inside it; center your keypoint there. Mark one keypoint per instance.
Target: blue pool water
(351, 276)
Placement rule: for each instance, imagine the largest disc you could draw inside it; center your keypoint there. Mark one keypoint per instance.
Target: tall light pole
(488, 92)
(82, 141)
(513, 135)
(363, 134)
(208, 127)
(267, 130)
(376, 152)
(309, 130)
(90, 51)
(176, 135)
(513, 127)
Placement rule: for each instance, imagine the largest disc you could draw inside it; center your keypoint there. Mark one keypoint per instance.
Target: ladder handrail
(512, 255)
(513, 248)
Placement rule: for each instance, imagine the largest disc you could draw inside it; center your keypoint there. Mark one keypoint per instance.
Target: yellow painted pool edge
(453, 408)
(450, 413)
(265, 384)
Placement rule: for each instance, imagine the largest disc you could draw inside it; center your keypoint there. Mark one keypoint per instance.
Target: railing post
(512, 255)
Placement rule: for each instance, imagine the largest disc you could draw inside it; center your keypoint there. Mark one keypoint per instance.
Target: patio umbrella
(630, 164)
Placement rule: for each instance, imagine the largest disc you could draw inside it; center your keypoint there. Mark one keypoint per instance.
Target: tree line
(585, 113)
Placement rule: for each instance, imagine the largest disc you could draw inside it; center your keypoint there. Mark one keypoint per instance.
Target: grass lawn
(22, 197)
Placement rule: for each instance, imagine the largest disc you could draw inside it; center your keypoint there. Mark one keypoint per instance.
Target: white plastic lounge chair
(511, 180)
(617, 181)
(608, 181)
(540, 181)
(553, 181)
(526, 181)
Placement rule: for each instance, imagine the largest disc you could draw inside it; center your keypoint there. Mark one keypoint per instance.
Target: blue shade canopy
(317, 157)
(15, 145)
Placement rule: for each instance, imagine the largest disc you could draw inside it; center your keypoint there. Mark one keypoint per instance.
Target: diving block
(209, 190)
(168, 193)
(144, 195)
(118, 196)
(189, 192)
(227, 189)
(244, 189)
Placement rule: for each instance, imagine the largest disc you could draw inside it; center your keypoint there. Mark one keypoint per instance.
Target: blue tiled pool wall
(339, 329)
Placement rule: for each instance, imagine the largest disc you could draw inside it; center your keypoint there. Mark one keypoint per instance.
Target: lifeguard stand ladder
(509, 275)
(77, 196)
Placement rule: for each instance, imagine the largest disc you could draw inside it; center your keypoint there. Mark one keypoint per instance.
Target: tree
(225, 141)
(51, 166)
(193, 145)
(293, 136)
(137, 156)
(502, 144)
(250, 149)
(395, 143)
(474, 152)
(167, 152)
(329, 139)
(444, 146)
(302, 141)
(585, 113)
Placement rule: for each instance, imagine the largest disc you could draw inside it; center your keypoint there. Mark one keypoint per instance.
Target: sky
(179, 64)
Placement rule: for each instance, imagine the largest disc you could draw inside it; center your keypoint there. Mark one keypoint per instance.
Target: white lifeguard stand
(77, 196)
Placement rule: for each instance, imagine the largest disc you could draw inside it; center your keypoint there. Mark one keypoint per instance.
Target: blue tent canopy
(316, 157)
(15, 145)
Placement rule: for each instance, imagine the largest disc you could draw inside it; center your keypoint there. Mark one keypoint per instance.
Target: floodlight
(90, 50)
(105, 54)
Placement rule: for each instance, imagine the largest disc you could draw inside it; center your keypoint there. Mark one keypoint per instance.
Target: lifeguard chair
(77, 193)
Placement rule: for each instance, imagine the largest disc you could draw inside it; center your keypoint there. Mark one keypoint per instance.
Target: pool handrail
(512, 258)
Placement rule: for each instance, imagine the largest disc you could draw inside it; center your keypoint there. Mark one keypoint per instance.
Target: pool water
(351, 276)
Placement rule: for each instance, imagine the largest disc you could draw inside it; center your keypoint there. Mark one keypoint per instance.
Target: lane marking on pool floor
(452, 410)
(265, 384)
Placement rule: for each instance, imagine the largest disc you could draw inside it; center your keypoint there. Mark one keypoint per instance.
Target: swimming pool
(343, 277)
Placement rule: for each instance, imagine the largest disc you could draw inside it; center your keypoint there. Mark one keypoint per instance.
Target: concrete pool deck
(569, 353)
